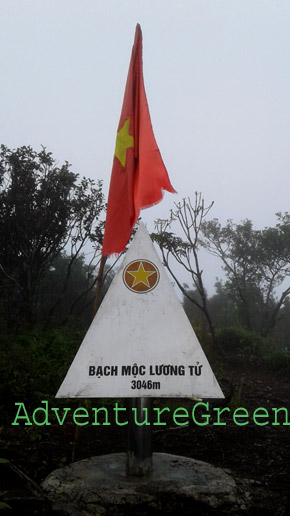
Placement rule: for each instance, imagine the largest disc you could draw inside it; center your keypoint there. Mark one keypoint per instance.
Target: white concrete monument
(140, 343)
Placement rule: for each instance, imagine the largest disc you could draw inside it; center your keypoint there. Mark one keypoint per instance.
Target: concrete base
(97, 485)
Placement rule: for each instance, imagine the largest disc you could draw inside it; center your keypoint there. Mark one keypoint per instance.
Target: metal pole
(139, 452)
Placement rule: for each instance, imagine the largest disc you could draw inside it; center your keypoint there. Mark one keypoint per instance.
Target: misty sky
(217, 78)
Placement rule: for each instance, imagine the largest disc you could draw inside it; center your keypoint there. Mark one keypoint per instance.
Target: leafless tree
(184, 250)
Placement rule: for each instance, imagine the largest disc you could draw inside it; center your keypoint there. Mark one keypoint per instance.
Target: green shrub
(33, 366)
(239, 341)
(278, 361)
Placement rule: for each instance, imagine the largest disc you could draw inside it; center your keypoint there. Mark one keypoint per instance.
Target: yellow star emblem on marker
(141, 276)
(123, 142)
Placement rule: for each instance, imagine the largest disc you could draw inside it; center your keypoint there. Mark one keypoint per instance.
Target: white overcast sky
(217, 78)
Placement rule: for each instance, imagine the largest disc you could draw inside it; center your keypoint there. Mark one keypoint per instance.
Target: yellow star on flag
(141, 276)
(123, 142)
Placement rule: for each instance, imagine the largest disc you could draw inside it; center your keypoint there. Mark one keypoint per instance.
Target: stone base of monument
(100, 486)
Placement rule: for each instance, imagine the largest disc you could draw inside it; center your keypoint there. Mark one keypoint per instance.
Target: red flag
(139, 175)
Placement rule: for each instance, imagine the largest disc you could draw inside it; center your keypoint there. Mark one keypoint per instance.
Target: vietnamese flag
(139, 175)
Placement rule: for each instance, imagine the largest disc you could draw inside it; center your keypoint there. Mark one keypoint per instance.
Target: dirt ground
(259, 453)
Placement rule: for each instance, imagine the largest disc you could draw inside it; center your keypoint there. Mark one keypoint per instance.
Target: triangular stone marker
(140, 343)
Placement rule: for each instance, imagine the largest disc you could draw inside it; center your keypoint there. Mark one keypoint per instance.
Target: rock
(100, 486)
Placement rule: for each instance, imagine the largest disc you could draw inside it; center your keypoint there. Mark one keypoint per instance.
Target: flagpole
(137, 163)
(99, 284)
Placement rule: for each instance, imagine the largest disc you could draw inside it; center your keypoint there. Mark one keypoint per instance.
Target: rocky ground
(258, 453)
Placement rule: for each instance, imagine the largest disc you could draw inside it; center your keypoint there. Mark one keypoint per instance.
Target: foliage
(75, 304)
(277, 361)
(281, 332)
(33, 366)
(220, 305)
(256, 262)
(4, 506)
(44, 211)
(52, 284)
(235, 340)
